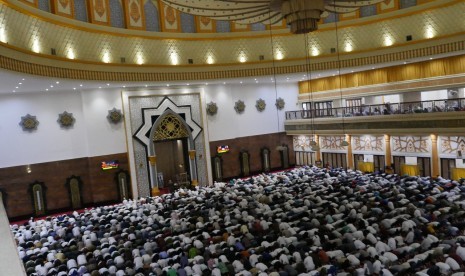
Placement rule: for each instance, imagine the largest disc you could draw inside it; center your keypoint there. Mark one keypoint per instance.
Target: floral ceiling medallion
(260, 105)
(29, 122)
(239, 106)
(212, 108)
(114, 116)
(66, 119)
(280, 103)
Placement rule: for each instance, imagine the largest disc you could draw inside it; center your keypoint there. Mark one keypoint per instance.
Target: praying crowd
(305, 221)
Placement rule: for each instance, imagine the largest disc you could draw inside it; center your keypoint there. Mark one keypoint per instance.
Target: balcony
(436, 116)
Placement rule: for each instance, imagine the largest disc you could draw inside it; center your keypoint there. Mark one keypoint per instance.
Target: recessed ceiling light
(146, 85)
(224, 82)
(372, 67)
(188, 84)
(74, 88)
(57, 82)
(16, 87)
(206, 83)
(80, 85)
(20, 83)
(124, 86)
(241, 82)
(51, 86)
(100, 87)
(46, 89)
(14, 91)
(167, 84)
(256, 81)
(430, 58)
(108, 84)
(22, 79)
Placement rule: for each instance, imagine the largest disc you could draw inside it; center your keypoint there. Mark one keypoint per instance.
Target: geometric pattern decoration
(260, 105)
(212, 108)
(170, 128)
(332, 143)
(114, 115)
(280, 103)
(63, 8)
(239, 106)
(410, 144)
(99, 11)
(66, 119)
(134, 14)
(29, 123)
(452, 144)
(302, 142)
(368, 143)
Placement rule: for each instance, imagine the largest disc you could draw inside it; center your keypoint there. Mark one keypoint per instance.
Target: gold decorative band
(153, 160)
(192, 154)
(51, 71)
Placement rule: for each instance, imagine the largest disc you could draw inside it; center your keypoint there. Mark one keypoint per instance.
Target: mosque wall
(53, 153)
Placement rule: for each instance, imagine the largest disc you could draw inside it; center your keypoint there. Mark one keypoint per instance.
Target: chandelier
(301, 15)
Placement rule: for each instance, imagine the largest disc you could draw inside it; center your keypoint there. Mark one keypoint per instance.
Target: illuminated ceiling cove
(301, 15)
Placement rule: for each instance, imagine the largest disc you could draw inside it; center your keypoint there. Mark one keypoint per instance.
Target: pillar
(434, 156)
(318, 152)
(194, 180)
(153, 169)
(350, 158)
(387, 154)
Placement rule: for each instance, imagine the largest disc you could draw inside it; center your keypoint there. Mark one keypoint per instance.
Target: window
(323, 109)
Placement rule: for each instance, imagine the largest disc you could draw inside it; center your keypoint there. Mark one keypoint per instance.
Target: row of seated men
(305, 221)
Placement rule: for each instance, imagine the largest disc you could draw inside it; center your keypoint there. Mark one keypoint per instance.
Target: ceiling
(19, 83)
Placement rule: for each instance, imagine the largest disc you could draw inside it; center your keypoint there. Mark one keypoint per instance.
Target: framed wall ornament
(239, 106)
(66, 119)
(212, 108)
(29, 122)
(115, 115)
(260, 105)
(280, 103)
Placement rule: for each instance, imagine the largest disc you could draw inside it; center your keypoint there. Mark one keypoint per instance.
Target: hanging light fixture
(344, 143)
(313, 144)
(281, 146)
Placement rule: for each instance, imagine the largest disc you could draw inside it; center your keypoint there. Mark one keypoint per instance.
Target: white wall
(93, 135)
(434, 95)
(227, 124)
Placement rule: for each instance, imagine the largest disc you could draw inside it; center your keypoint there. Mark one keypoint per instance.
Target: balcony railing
(449, 105)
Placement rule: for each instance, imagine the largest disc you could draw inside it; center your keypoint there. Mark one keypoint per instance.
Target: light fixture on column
(344, 143)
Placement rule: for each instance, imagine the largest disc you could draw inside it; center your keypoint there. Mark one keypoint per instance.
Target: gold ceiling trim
(105, 30)
(170, 128)
(70, 73)
(394, 74)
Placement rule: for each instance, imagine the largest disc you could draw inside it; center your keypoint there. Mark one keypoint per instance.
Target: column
(350, 157)
(153, 171)
(434, 156)
(387, 154)
(318, 152)
(193, 167)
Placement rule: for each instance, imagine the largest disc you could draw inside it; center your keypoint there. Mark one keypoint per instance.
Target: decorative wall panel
(450, 145)
(141, 116)
(388, 6)
(302, 142)
(99, 11)
(170, 19)
(116, 14)
(63, 8)
(332, 143)
(134, 14)
(205, 24)
(152, 17)
(368, 144)
(411, 145)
